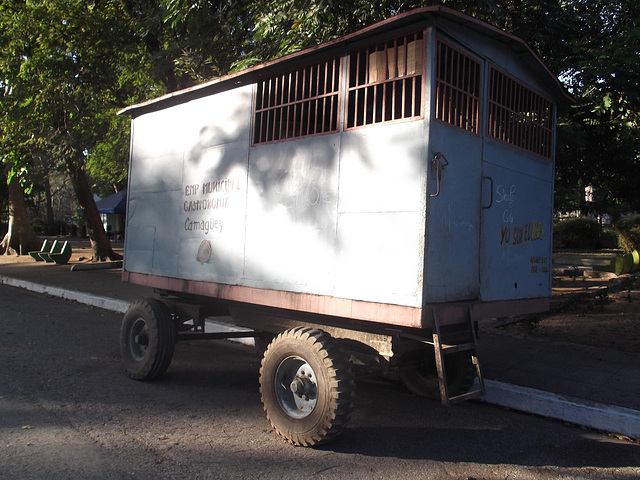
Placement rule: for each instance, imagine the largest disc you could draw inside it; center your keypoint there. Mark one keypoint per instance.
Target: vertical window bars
(298, 103)
(519, 116)
(385, 81)
(457, 96)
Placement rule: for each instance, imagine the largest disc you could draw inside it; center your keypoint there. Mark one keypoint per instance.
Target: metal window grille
(457, 88)
(385, 81)
(298, 103)
(519, 116)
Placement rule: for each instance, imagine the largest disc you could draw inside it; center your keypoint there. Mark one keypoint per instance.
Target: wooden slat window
(385, 81)
(457, 88)
(298, 103)
(519, 116)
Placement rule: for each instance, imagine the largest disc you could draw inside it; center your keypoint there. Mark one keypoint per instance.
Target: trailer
(355, 207)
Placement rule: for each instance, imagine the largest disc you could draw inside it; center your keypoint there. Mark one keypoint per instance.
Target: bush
(577, 233)
(629, 233)
(38, 226)
(609, 239)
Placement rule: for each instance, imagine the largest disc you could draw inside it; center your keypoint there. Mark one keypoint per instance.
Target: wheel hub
(139, 339)
(302, 386)
(296, 388)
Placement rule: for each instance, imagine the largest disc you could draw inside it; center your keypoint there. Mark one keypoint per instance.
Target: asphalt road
(67, 411)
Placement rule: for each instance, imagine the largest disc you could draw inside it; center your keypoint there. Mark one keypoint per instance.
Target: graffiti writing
(303, 186)
(504, 196)
(539, 264)
(507, 197)
(520, 235)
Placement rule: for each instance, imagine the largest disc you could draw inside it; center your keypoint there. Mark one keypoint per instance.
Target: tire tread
(341, 387)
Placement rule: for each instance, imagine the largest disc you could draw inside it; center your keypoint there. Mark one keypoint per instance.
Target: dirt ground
(599, 312)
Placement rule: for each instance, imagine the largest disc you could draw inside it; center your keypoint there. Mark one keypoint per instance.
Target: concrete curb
(608, 418)
(110, 304)
(96, 266)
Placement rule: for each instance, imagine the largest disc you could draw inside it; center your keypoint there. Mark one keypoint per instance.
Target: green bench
(60, 253)
(63, 256)
(55, 248)
(46, 248)
(53, 252)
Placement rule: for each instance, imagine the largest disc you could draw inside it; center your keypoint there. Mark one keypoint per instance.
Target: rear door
(516, 225)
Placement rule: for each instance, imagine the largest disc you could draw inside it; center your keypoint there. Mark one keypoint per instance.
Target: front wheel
(307, 386)
(147, 339)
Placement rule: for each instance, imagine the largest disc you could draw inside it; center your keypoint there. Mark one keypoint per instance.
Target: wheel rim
(139, 339)
(296, 387)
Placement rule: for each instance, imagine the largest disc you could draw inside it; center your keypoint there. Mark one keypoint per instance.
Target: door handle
(490, 190)
(438, 163)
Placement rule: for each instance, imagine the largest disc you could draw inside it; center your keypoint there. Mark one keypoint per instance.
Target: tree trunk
(98, 237)
(19, 239)
(48, 205)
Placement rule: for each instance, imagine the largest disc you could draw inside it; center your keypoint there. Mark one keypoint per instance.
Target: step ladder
(443, 349)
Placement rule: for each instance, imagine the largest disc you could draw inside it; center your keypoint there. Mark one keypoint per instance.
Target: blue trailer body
(360, 203)
(376, 216)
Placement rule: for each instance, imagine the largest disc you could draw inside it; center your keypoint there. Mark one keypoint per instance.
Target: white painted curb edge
(111, 304)
(608, 418)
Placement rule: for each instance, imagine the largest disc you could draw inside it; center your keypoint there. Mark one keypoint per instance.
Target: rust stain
(317, 304)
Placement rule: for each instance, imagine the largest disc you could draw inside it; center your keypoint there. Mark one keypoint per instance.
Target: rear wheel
(420, 374)
(307, 386)
(147, 339)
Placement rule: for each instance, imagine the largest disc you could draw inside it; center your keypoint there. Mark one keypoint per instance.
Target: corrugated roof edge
(174, 98)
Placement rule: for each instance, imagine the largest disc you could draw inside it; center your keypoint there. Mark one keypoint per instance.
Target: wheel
(307, 387)
(420, 377)
(147, 339)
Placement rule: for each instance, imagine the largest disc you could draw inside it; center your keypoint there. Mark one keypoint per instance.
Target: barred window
(457, 88)
(385, 81)
(519, 116)
(298, 103)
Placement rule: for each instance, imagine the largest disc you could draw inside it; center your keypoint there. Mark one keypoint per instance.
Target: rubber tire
(422, 379)
(334, 380)
(151, 316)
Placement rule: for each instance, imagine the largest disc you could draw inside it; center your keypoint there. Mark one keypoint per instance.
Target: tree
(14, 158)
(19, 238)
(210, 35)
(63, 68)
(599, 136)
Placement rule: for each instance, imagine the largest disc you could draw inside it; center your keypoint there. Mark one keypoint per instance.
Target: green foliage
(629, 233)
(107, 163)
(205, 37)
(599, 135)
(577, 233)
(609, 239)
(38, 226)
(66, 68)
(286, 26)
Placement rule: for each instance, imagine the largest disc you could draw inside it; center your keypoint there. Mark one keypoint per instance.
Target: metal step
(447, 349)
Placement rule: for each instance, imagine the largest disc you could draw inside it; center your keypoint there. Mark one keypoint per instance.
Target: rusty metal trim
(399, 315)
